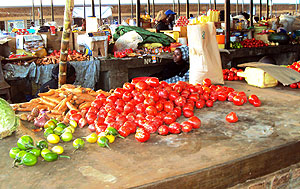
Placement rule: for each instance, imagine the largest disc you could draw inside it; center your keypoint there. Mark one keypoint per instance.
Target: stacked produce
(58, 103)
(231, 74)
(148, 50)
(295, 66)
(236, 45)
(182, 21)
(250, 43)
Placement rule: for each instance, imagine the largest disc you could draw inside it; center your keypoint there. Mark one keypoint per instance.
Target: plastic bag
(128, 40)
(205, 60)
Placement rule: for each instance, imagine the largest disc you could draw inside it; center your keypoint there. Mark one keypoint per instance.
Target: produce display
(231, 74)
(8, 120)
(295, 66)
(250, 43)
(58, 103)
(236, 45)
(147, 50)
(182, 21)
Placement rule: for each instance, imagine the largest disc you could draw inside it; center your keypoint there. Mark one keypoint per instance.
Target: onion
(41, 120)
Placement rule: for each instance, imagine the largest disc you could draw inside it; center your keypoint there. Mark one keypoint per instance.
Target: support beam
(100, 13)
(84, 13)
(93, 8)
(62, 76)
(148, 7)
(210, 4)
(52, 11)
(153, 9)
(260, 9)
(173, 5)
(271, 6)
(267, 9)
(215, 4)
(237, 7)
(42, 23)
(131, 9)
(119, 12)
(243, 4)
(187, 8)
(227, 23)
(178, 8)
(33, 13)
(138, 13)
(251, 13)
(199, 8)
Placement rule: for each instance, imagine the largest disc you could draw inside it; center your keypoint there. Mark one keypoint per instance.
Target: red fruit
(140, 108)
(153, 81)
(127, 96)
(194, 97)
(118, 92)
(209, 103)
(141, 86)
(206, 82)
(232, 117)
(163, 130)
(142, 135)
(195, 121)
(149, 102)
(252, 98)
(163, 93)
(124, 131)
(92, 127)
(186, 126)
(128, 87)
(200, 103)
(168, 119)
(298, 85)
(128, 108)
(173, 95)
(294, 85)
(180, 101)
(76, 117)
(159, 106)
(100, 129)
(111, 99)
(150, 126)
(222, 96)
(168, 106)
(97, 104)
(188, 113)
(175, 128)
(151, 110)
(90, 117)
(178, 111)
(82, 122)
(238, 100)
(131, 125)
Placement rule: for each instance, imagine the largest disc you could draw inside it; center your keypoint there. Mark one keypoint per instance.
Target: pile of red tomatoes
(295, 66)
(231, 74)
(145, 107)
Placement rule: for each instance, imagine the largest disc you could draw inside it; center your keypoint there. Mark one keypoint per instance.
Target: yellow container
(258, 77)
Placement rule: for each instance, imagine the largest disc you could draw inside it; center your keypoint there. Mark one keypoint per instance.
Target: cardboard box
(182, 31)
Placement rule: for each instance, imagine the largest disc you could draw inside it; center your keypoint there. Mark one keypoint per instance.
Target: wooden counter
(218, 155)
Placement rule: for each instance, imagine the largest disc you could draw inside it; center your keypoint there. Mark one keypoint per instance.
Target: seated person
(170, 18)
(53, 83)
(177, 70)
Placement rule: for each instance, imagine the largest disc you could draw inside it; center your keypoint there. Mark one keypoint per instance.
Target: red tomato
(206, 96)
(128, 87)
(163, 130)
(101, 96)
(119, 109)
(186, 126)
(298, 84)
(222, 96)
(209, 103)
(232, 117)
(120, 102)
(141, 115)
(82, 122)
(149, 102)
(251, 98)
(206, 82)
(142, 135)
(168, 106)
(97, 104)
(124, 131)
(151, 110)
(109, 106)
(175, 128)
(119, 92)
(159, 106)
(195, 121)
(92, 128)
(149, 117)
(131, 116)
(168, 119)
(76, 117)
(121, 118)
(180, 101)
(112, 113)
(231, 95)
(185, 93)
(139, 98)
(178, 88)
(153, 95)
(294, 85)
(128, 108)
(256, 103)
(111, 99)
(178, 111)
(127, 96)
(194, 97)
(157, 121)
(93, 110)
(150, 126)
(163, 93)
(188, 107)
(153, 81)
(200, 103)
(140, 108)
(173, 95)
(131, 125)
(213, 97)
(100, 129)
(238, 100)
(188, 113)
(73, 112)
(141, 86)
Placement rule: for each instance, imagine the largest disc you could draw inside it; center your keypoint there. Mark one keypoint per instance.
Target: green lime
(66, 136)
(58, 130)
(48, 132)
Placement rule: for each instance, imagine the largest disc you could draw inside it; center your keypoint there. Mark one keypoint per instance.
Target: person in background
(161, 19)
(170, 18)
(178, 70)
(83, 26)
(53, 82)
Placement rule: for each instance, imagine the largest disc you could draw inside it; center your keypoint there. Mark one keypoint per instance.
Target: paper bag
(205, 60)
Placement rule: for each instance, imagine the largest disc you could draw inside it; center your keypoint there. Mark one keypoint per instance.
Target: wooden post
(52, 10)
(271, 11)
(209, 4)
(148, 7)
(215, 4)
(227, 22)
(153, 9)
(243, 10)
(100, 12)
(119, 12)
(33, 14)
(93, 8)
(138, 13)
(62, 77)
(260, 9)
(267, 7)
(174, 5)
(84, 14)
(251, 13)
(237, 7)
(42, 23)
(187, 8)
(178, 7)
(199, 10)
(131, 9)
